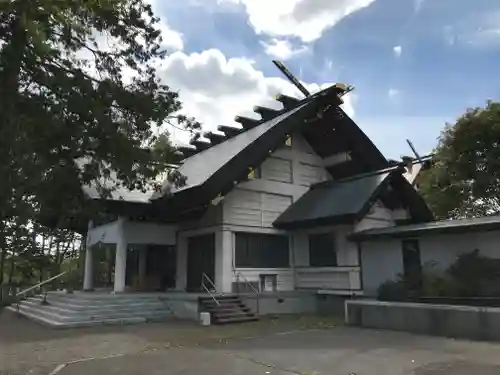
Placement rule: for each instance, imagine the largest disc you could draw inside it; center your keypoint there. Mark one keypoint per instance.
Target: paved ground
(187, 349)
(26, 347)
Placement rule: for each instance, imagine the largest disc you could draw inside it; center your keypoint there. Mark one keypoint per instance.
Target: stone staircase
(229, 310)
(63, 310)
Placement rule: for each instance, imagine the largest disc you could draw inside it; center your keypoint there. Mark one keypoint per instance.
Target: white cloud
(282, 49)
(215, 89)
(393, 92)
(398, 50)
(306, 19)
(171, 39)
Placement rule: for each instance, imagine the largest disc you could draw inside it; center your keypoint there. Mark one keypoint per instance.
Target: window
(322, 250)
(412, 265)
(255, 250)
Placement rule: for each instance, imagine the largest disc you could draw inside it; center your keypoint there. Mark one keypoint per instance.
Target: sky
(415, 64)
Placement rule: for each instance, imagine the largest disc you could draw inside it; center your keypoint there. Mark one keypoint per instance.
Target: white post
(88, 276)
(121, 257)
(181, 266)
(224, 261)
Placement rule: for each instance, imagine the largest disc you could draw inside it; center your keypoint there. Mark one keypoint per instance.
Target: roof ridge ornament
(266, 113)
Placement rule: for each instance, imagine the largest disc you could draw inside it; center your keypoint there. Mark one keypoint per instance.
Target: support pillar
(224, 261)
(88, 276)
(181, 266)
(121, 257)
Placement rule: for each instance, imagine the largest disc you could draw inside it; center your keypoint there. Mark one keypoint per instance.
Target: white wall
(285, 176)
(378, 217)
(383, 259)
(253, 206)
(107, 233)
(444, 249)
(284, 276)
(380, 261)
(135, 233)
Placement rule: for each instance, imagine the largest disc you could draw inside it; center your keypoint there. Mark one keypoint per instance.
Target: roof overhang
(432, 228)
(338, 202)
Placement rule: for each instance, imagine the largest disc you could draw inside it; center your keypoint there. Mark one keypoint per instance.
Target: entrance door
(161, 265)
(412, 265)
(200, 259)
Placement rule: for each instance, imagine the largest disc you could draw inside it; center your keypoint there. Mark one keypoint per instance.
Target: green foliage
(78, 82)
(393, 290)
(65, 97)
(476, 275)
(465, 178)
(436, 284)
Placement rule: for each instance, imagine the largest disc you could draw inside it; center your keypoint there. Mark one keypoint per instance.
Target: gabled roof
(481, 224)
(335, 202)
(214, 168)
(201, 167)
(348, 200)
(217, 169)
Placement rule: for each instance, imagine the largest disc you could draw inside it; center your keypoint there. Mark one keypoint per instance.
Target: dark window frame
(322, 249)
(257, 250)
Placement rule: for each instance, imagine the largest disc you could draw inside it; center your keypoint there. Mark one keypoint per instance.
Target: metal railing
(248, 283)
(23, 293)
(204, 277)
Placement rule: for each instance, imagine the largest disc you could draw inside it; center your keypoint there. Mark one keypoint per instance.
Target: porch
(130, 256)
(148, 257)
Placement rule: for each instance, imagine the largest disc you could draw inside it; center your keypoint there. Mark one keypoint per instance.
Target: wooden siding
(378, 217)
(308, 174)
(328, 278)
(277, 169)
(285, 177)
(254, 208)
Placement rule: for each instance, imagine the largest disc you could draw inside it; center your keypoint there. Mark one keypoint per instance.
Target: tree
(465, 178)
(65, 98)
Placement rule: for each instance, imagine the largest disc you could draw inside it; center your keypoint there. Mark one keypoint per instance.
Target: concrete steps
(82, 309)
(229, 309)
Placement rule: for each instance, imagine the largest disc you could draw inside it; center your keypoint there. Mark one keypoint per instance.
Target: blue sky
(414, 64)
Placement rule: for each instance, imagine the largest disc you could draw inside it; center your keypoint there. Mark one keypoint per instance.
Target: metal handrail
(255, 290)
(23, 292)
(204, 277)
(40, 284)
